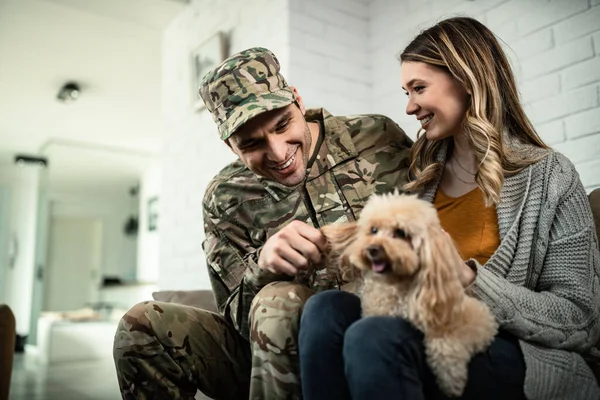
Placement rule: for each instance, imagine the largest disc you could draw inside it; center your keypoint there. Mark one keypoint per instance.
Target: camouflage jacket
(359, 155)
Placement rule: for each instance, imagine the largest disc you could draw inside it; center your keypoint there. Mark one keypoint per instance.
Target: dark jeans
(344, 356)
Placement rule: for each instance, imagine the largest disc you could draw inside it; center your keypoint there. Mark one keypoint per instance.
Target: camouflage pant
(167, 351)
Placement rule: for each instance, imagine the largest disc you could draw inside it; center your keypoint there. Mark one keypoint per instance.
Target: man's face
(275, 145)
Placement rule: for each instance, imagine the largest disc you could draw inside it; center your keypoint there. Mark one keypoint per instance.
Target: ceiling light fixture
(69, 92)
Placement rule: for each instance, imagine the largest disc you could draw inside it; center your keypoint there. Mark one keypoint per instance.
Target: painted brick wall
(554, 47)
(192, 150)
(329, 54)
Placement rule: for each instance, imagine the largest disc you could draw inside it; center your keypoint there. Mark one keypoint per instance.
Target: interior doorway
(74, 263)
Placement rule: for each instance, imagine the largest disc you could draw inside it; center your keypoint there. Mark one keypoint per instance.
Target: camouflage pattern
(359, 155)
(274, 324)
(242, 87)
(165, 350)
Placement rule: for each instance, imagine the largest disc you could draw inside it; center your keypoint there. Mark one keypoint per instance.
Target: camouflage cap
(242, 87)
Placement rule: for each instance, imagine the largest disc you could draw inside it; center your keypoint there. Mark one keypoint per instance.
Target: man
(297, 170)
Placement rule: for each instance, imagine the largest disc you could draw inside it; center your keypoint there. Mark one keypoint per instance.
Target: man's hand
(292, 248)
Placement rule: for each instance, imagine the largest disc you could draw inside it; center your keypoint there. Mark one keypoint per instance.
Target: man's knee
(133, 327)
(275, 312)
(279, 299)
(284, 290)
(137, 318)
(149, 322)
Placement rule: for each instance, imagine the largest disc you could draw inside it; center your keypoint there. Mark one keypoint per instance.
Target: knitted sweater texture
(543, 281)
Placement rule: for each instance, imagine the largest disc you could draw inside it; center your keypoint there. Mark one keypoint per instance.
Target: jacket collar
(512, 195)
(337, 146)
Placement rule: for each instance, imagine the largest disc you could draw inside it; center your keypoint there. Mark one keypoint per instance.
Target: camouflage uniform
(251, 349)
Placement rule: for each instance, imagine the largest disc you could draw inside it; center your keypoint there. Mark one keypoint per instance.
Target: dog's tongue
(378, 266)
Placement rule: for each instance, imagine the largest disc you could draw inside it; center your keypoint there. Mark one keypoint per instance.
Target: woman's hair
(468, 51)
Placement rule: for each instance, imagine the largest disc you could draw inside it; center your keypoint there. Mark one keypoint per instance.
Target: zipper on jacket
(309, 207)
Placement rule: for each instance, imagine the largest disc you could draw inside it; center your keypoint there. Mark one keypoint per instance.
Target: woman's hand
(466, 275)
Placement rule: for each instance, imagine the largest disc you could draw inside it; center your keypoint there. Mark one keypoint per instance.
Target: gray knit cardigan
(542, 283)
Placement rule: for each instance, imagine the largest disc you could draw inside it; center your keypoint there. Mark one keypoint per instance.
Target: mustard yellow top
(472, 225)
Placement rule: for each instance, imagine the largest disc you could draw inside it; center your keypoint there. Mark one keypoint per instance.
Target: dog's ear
(339, 237)
(439, 293)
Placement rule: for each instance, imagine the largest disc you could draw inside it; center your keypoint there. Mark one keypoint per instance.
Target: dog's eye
(374, 230)
(400, 234)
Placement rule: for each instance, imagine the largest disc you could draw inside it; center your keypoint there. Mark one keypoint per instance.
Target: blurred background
(105, 151)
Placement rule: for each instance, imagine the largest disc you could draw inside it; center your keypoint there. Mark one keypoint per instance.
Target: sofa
(7, 348)
(204, 298)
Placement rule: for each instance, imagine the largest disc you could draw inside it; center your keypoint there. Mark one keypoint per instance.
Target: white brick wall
(558, 58)
(555, 50)
(342, 55)
(329, 54)
(193, 153)
(540, 88)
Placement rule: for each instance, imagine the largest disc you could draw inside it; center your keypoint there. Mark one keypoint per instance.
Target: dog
(408, 267)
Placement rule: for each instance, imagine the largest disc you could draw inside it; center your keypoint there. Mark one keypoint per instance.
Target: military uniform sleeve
(401, 144)
(402, 140)
(233, 269)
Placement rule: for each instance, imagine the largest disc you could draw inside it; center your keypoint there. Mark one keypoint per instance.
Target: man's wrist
(258, 276)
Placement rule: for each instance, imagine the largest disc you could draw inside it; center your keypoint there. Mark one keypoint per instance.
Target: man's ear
(299, 100)
(228, 143)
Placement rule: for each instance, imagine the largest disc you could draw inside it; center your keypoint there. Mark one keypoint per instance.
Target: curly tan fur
(339, 237)
(409, 268)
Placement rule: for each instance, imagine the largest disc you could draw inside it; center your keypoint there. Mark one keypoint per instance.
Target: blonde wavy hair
(468, 51)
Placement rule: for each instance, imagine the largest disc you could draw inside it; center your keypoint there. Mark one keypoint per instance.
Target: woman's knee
(327, 315)
(329, 304)
(380, 335)
(502, 362)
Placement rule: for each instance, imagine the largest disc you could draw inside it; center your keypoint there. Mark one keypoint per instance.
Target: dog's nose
(374, 252)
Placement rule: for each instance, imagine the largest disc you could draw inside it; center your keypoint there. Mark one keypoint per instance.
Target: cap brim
(253, 106)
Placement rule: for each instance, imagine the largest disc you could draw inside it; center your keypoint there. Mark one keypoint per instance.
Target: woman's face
(438, 100)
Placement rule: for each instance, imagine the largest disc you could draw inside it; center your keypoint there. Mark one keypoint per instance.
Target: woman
(517, 212)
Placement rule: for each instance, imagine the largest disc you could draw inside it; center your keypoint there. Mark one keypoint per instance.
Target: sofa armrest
(594, 198)
(204, 299)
